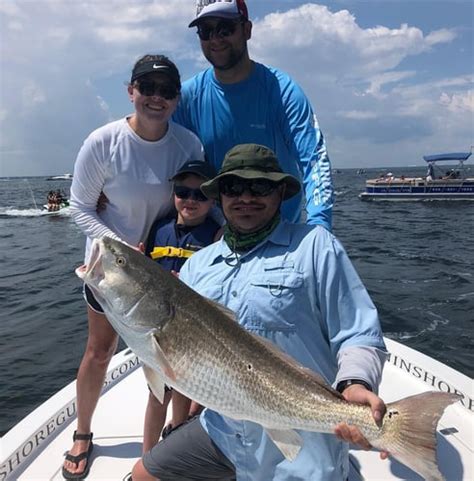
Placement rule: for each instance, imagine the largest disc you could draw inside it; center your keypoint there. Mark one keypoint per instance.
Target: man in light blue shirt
(238, 101)
(294, 285)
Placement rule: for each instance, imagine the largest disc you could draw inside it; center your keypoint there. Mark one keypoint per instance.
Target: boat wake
(13, 212)
(432, 326)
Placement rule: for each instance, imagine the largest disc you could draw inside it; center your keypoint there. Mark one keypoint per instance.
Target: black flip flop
(77, 459)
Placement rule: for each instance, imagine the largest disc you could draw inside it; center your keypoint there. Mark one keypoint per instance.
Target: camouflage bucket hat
(251, 161)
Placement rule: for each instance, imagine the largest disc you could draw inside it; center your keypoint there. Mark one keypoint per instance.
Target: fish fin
(409, 431)
(225, 310)
(311, 375)
(161, 358)
(289, 442)
(155, 382)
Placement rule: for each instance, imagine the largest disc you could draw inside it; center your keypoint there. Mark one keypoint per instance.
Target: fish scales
(226, 368)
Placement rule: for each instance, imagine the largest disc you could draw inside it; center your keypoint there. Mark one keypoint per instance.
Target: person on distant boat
(51, 201)
(430, 175)
(54, 200)
(130, 161)
(60, 198)
(451, 174)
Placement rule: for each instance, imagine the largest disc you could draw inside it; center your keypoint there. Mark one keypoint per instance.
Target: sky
(389, 80)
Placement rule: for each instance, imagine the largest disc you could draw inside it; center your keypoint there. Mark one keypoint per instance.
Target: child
(171, 242)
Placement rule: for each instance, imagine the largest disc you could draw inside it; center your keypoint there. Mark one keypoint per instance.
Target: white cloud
(458, 102)
(377, 82)
(116, 35)
(11, 9)
(361, 95)
(440, 36)
(54, 54)
(15, 25)
(334, 42)
(358, 114)
(32, 94)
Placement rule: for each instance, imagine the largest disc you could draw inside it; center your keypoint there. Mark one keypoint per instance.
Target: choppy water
(416, 259)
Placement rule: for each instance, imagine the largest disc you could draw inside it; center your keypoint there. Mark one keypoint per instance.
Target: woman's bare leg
(101, 346)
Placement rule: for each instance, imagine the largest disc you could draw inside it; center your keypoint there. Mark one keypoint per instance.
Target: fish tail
(409, 431)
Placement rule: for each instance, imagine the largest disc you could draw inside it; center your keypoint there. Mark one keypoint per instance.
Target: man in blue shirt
(240, 101)
(294, 285)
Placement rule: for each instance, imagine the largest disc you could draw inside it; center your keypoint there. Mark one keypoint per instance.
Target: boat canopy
(450, 156)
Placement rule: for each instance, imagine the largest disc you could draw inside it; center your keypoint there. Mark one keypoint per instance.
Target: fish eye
(120, 261)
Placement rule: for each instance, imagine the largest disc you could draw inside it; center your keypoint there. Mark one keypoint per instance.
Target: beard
(233, 59)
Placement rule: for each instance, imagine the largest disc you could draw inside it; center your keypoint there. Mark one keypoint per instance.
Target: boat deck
(35, 448)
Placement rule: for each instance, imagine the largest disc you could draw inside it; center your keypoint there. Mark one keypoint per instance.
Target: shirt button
(234, 293)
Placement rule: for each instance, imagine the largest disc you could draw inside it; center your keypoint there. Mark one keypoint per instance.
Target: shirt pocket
(274, 299)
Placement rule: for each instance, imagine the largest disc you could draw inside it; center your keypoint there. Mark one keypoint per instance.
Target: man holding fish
(266, 291)
(284, 282)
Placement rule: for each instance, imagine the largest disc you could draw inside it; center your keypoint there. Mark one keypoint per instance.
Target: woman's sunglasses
(224, 28)
(185, 193)
(235, 187)
(150, 88)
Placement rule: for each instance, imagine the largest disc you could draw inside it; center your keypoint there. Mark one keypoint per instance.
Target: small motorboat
(59, 209)
(61, 177)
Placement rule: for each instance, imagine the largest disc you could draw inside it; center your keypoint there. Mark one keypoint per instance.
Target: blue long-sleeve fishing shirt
(270, 109)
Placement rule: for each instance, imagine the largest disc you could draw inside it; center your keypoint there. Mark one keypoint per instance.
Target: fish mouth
(92, 273)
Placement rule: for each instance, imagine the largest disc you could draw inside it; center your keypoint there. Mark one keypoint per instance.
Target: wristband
(349, 382)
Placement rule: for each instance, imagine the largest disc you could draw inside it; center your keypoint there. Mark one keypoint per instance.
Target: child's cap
(196, 167)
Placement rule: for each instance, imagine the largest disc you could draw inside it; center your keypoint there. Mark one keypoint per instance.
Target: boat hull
(418, 189)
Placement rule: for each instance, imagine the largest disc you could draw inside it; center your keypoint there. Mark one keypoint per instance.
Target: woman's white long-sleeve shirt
(134, 175)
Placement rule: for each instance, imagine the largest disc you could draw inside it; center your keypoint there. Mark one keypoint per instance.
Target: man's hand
(351, 434)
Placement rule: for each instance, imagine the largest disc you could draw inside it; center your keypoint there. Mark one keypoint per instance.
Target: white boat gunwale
(32, 434)
(25, 442)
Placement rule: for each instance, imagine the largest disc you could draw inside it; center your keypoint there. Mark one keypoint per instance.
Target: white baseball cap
(219, 8)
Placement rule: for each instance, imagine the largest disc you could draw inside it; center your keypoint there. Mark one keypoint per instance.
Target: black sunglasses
(235, 187)
(224, 28)
(150, 88)
(183, 192)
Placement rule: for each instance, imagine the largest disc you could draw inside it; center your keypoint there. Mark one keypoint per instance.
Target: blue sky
(389, 80)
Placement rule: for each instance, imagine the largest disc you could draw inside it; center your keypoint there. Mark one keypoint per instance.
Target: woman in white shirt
(130, 161)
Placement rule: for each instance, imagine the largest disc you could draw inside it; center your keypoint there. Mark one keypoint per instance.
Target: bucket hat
(251, 161)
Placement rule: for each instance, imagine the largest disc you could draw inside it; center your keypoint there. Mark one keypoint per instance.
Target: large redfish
(197, 347)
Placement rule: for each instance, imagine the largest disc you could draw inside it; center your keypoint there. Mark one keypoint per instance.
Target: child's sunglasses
(185, 193)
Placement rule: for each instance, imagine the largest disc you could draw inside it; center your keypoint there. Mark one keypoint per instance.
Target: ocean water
(415, 258)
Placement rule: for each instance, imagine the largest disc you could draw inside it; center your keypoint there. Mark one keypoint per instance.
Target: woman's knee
(102, 340)
(99, 354)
